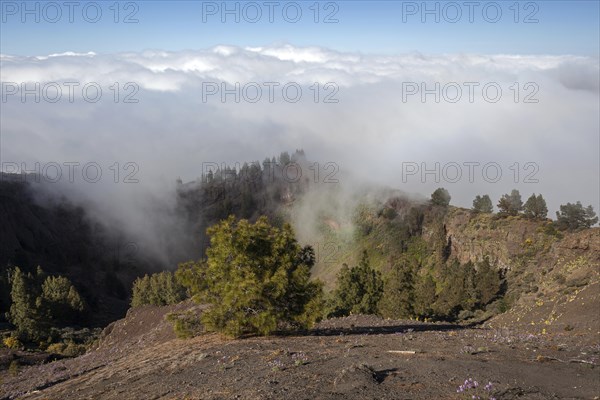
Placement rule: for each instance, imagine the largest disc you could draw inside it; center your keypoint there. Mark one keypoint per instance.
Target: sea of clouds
(167, 120)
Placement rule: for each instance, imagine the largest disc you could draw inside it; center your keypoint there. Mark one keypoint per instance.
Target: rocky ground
(357, 357)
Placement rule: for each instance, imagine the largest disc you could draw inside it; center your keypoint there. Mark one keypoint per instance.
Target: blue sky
(563, 27)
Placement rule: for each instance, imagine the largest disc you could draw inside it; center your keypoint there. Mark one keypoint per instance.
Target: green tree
(425, 296)
(440, 197)
(4, 293)
(255, 278)
(191, 275)
(510, 204)
(398, 292)
(60, 301)
(457, 290)
(482, 204)
(24, 312)
(158, 289)
(535, 207)
(575, 217)
(358, 290)
(487, 282)
(141, 292)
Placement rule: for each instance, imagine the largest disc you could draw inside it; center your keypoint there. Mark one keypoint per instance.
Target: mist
(541, 135)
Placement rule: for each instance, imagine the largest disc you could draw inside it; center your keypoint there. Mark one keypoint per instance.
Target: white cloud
(371, 131)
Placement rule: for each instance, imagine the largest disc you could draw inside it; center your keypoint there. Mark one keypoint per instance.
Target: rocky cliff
(553, 277)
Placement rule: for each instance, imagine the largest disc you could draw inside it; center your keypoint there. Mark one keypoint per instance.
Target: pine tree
(440, 197)
(575, 217)
(457, 290)
(398, 293)
(256, 277)
(141, 291)
(487, 282)
(535, 207)
(60, 301)
(358, 290)
(511, 204)
(482, 204)
(158, 289)
(425, 296)
(24, 312)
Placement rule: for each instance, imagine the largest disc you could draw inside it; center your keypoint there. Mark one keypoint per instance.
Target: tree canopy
(256, 277)
(440, 197)
(358, 290)
(575, 217)
(482, 204)
(535, 207)
(511, 204)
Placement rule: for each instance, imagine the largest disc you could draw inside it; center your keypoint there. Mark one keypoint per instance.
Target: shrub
(501, 305)
(560, 278)
(550, 229)
(12, 343)
(56, 348)
(186, 325)
(389, 213)
(69, 349)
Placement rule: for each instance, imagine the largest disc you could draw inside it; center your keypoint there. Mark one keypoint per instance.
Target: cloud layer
(545, 120)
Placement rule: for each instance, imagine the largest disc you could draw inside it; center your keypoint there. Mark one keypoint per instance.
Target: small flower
(300, 359)
(276, 365)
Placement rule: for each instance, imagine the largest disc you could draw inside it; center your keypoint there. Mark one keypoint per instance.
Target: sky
(376, 90)
(503, 27)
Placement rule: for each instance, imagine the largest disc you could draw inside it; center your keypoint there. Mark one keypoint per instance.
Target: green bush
(186, 325)
(69, 349)
(12, 342)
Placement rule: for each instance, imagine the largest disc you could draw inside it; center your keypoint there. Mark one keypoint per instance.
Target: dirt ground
(357, 357)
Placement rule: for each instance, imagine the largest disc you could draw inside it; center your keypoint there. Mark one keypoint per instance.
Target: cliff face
(473, 237)
(553, 277)
(514, 242)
